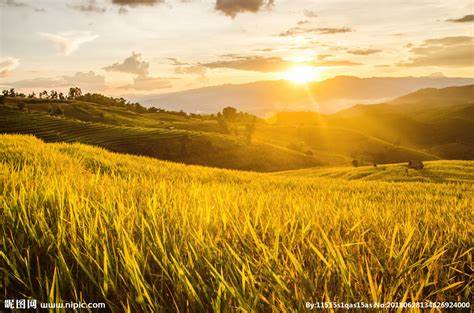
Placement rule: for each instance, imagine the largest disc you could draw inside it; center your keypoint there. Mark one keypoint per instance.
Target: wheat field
(140, 234)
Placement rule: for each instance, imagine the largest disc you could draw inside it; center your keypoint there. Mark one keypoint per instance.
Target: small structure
(416, 164)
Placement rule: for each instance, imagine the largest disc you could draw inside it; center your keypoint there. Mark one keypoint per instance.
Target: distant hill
(438, 120)
(179, 145)
(428, 124)
(328, 96)
(433, 172)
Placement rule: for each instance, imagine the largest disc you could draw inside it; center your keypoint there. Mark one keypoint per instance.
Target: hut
(416, 164)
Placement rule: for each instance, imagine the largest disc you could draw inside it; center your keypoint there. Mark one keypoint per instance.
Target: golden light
(302, 74)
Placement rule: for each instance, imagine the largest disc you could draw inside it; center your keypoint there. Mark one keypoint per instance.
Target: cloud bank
(85, 80)
(454, 51)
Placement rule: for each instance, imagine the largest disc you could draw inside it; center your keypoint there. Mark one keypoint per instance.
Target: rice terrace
(283, 164)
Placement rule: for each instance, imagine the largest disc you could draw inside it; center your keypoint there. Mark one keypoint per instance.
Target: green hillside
(438, 121)
(140, 234)
(429, 124)
(193, 147)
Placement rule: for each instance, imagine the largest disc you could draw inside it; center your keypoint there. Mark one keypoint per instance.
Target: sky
(121, 47)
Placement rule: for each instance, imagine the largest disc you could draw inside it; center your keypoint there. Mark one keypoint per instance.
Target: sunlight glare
(302, 74)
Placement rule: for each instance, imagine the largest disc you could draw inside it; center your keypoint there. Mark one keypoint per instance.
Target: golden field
(140, 234)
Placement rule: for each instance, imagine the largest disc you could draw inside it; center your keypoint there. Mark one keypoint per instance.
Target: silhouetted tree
(53, 94)
(74, 92)
(43, 94)
(355, 163)
(229, 113)
(61, 96)
(12, 92)
(5, 93)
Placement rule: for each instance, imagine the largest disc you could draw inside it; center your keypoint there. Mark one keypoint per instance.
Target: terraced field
(179, 145)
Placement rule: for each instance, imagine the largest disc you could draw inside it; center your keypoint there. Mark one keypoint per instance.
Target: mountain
(265, 97)
(440, 121)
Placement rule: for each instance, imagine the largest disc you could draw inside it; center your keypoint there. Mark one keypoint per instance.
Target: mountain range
(266, 97)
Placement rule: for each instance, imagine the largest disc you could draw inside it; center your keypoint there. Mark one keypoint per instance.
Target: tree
(355, 163)
(74, 92)
(229, 113)
(43, 94)
(54, 94)
(5, 93)
(61, 96)
(32, 95)
(12, 92)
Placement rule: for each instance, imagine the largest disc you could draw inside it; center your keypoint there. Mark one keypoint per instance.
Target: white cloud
(68, 42)
(7, 65)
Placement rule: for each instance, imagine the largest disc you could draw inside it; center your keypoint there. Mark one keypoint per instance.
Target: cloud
(310, 13)
(132, 65)
(88, 6)
(324, 56)
(13, 3)
(149, 83)
(175, 61)
(302, 22)
(194, 69)
(228, 7)
(331, 63)
(444, 52)
(88, 81)
(322, 31)
(364, 51)
(7, 65)
(272, 64)
(252, 63)
(233, 7)
(134, 3)
(464, 19)
(68, 42)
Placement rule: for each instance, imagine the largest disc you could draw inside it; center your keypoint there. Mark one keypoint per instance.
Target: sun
(302, 74)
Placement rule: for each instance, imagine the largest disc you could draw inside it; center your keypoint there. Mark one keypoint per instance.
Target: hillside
(142, 234)
(433, 172)
(266, 97)
(192, 147)
(429, 124)
(436, 120)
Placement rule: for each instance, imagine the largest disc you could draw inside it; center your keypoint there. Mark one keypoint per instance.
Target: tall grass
(145, 235)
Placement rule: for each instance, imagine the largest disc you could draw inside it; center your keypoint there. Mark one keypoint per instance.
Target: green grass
(140, 234)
